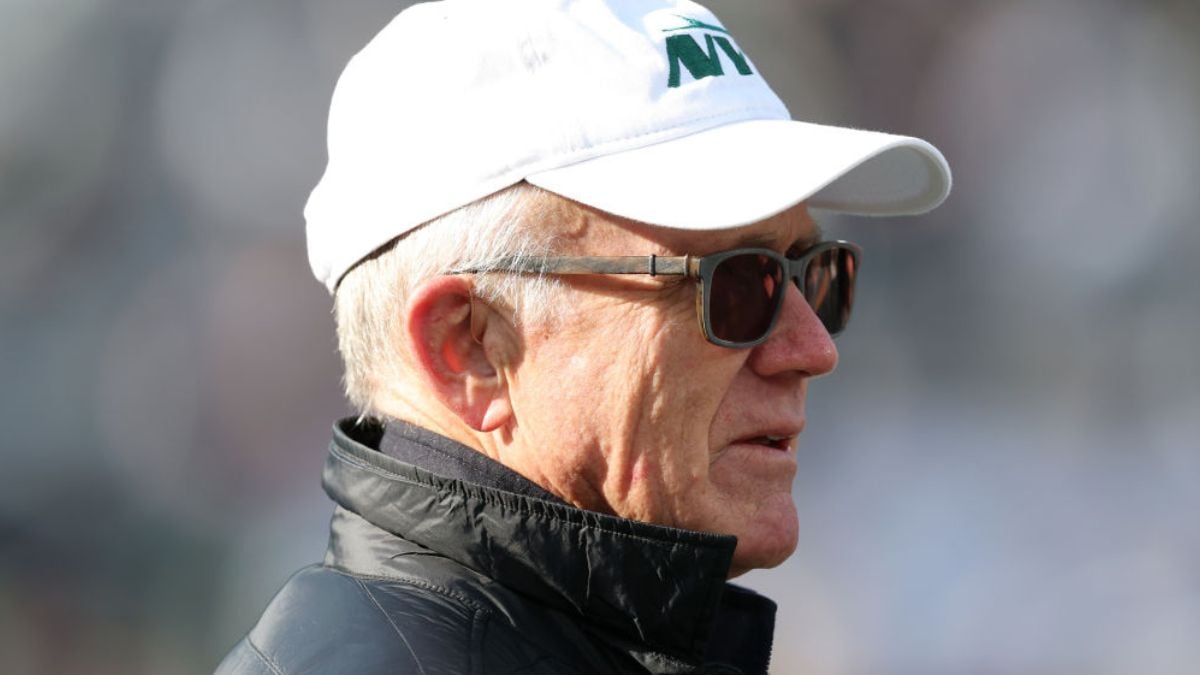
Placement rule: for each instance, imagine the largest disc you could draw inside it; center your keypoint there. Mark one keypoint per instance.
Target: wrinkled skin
(625, 408)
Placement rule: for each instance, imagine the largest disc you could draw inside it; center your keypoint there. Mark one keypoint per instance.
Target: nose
(799, 342)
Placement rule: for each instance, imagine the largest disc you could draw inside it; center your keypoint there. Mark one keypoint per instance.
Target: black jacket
(427, 574)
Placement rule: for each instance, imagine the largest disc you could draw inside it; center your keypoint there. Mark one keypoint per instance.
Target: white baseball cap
(647, 109)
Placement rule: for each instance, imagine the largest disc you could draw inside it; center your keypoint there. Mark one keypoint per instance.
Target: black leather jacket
(426, 574)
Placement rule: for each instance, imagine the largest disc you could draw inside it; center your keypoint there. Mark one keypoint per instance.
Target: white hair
(370, 298)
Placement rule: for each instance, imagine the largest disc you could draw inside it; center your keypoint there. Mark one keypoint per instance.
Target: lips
(776, 442)
(777, 438)
(767, 431)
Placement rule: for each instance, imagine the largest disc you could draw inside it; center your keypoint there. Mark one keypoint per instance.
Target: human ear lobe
(447, 334)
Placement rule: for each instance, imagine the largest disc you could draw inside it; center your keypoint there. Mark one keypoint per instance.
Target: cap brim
(744, 172)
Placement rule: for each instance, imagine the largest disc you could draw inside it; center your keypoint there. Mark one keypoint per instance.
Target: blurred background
(1003, 476)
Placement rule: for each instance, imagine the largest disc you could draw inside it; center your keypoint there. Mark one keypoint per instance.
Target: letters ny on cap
(701, 62)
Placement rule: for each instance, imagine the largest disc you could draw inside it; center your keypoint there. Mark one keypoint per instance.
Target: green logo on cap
(700, 61)
(695, 23)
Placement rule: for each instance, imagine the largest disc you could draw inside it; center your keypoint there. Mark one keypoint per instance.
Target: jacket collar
(657, 585)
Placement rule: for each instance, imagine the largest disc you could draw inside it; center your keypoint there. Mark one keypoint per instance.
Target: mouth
(769, 441)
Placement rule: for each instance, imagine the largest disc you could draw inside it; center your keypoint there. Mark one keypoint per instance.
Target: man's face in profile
(634, 412)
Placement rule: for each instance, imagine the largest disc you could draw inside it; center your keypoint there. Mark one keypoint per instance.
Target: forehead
(590, 231)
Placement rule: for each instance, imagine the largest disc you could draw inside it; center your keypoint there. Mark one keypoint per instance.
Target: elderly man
(579, 297)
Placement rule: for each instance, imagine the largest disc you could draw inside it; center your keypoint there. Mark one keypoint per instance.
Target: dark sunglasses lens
(829, 287)
(743, 296)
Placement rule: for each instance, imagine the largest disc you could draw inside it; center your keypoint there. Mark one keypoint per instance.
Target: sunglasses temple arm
(651, 264)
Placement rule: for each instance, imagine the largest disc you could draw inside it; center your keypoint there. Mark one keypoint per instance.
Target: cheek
(581, 383)
(560, 392)
(689, 430)
(724, 398)
(633, 394)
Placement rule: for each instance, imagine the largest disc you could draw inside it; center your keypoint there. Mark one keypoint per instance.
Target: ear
(458, 354)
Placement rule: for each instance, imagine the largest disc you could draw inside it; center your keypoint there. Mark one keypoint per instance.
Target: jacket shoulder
(327, 620)
(324, 620)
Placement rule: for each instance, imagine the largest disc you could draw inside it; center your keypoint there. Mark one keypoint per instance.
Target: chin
(767, 542)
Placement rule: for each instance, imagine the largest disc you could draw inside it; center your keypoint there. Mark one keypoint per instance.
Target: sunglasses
(742, 290)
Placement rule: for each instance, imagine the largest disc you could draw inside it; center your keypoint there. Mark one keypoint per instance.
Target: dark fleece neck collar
(439, 455)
